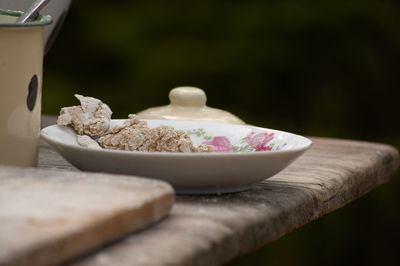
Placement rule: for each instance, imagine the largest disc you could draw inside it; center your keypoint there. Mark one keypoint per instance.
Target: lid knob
(187, 96)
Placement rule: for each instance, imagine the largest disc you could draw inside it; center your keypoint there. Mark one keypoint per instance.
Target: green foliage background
(322, 68)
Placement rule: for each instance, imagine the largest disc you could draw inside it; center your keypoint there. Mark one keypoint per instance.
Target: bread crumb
(86, 141)
(135, 135)
(92, 117)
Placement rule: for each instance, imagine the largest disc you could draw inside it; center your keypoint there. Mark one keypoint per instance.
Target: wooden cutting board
(49, 216)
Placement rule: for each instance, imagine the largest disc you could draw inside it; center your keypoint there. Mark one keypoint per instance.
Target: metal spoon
(33, 11)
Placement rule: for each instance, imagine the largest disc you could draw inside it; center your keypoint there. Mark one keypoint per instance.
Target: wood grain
(211, 230)
(48, 216)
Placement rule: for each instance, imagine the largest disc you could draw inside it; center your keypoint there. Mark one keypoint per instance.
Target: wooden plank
(211, 230)
(48, 216)
(48, 158)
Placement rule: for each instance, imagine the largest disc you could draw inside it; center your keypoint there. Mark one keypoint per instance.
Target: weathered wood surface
(211, 230)
(48, 216)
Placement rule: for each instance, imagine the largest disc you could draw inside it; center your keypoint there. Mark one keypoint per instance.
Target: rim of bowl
(49, 138)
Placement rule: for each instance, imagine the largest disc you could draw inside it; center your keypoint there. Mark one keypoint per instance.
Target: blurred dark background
(316, 68)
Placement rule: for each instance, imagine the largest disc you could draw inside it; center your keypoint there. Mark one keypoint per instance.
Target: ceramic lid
(189, 103)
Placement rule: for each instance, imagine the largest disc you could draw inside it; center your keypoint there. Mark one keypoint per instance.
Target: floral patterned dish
(243, 155)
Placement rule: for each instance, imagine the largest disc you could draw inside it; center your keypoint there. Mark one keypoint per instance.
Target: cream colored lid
(189, 103)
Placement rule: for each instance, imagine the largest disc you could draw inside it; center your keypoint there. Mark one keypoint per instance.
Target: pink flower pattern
(221, 144)
(259, 141)
(252, 142)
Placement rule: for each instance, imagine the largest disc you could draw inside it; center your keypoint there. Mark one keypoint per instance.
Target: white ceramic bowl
(244, 155)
